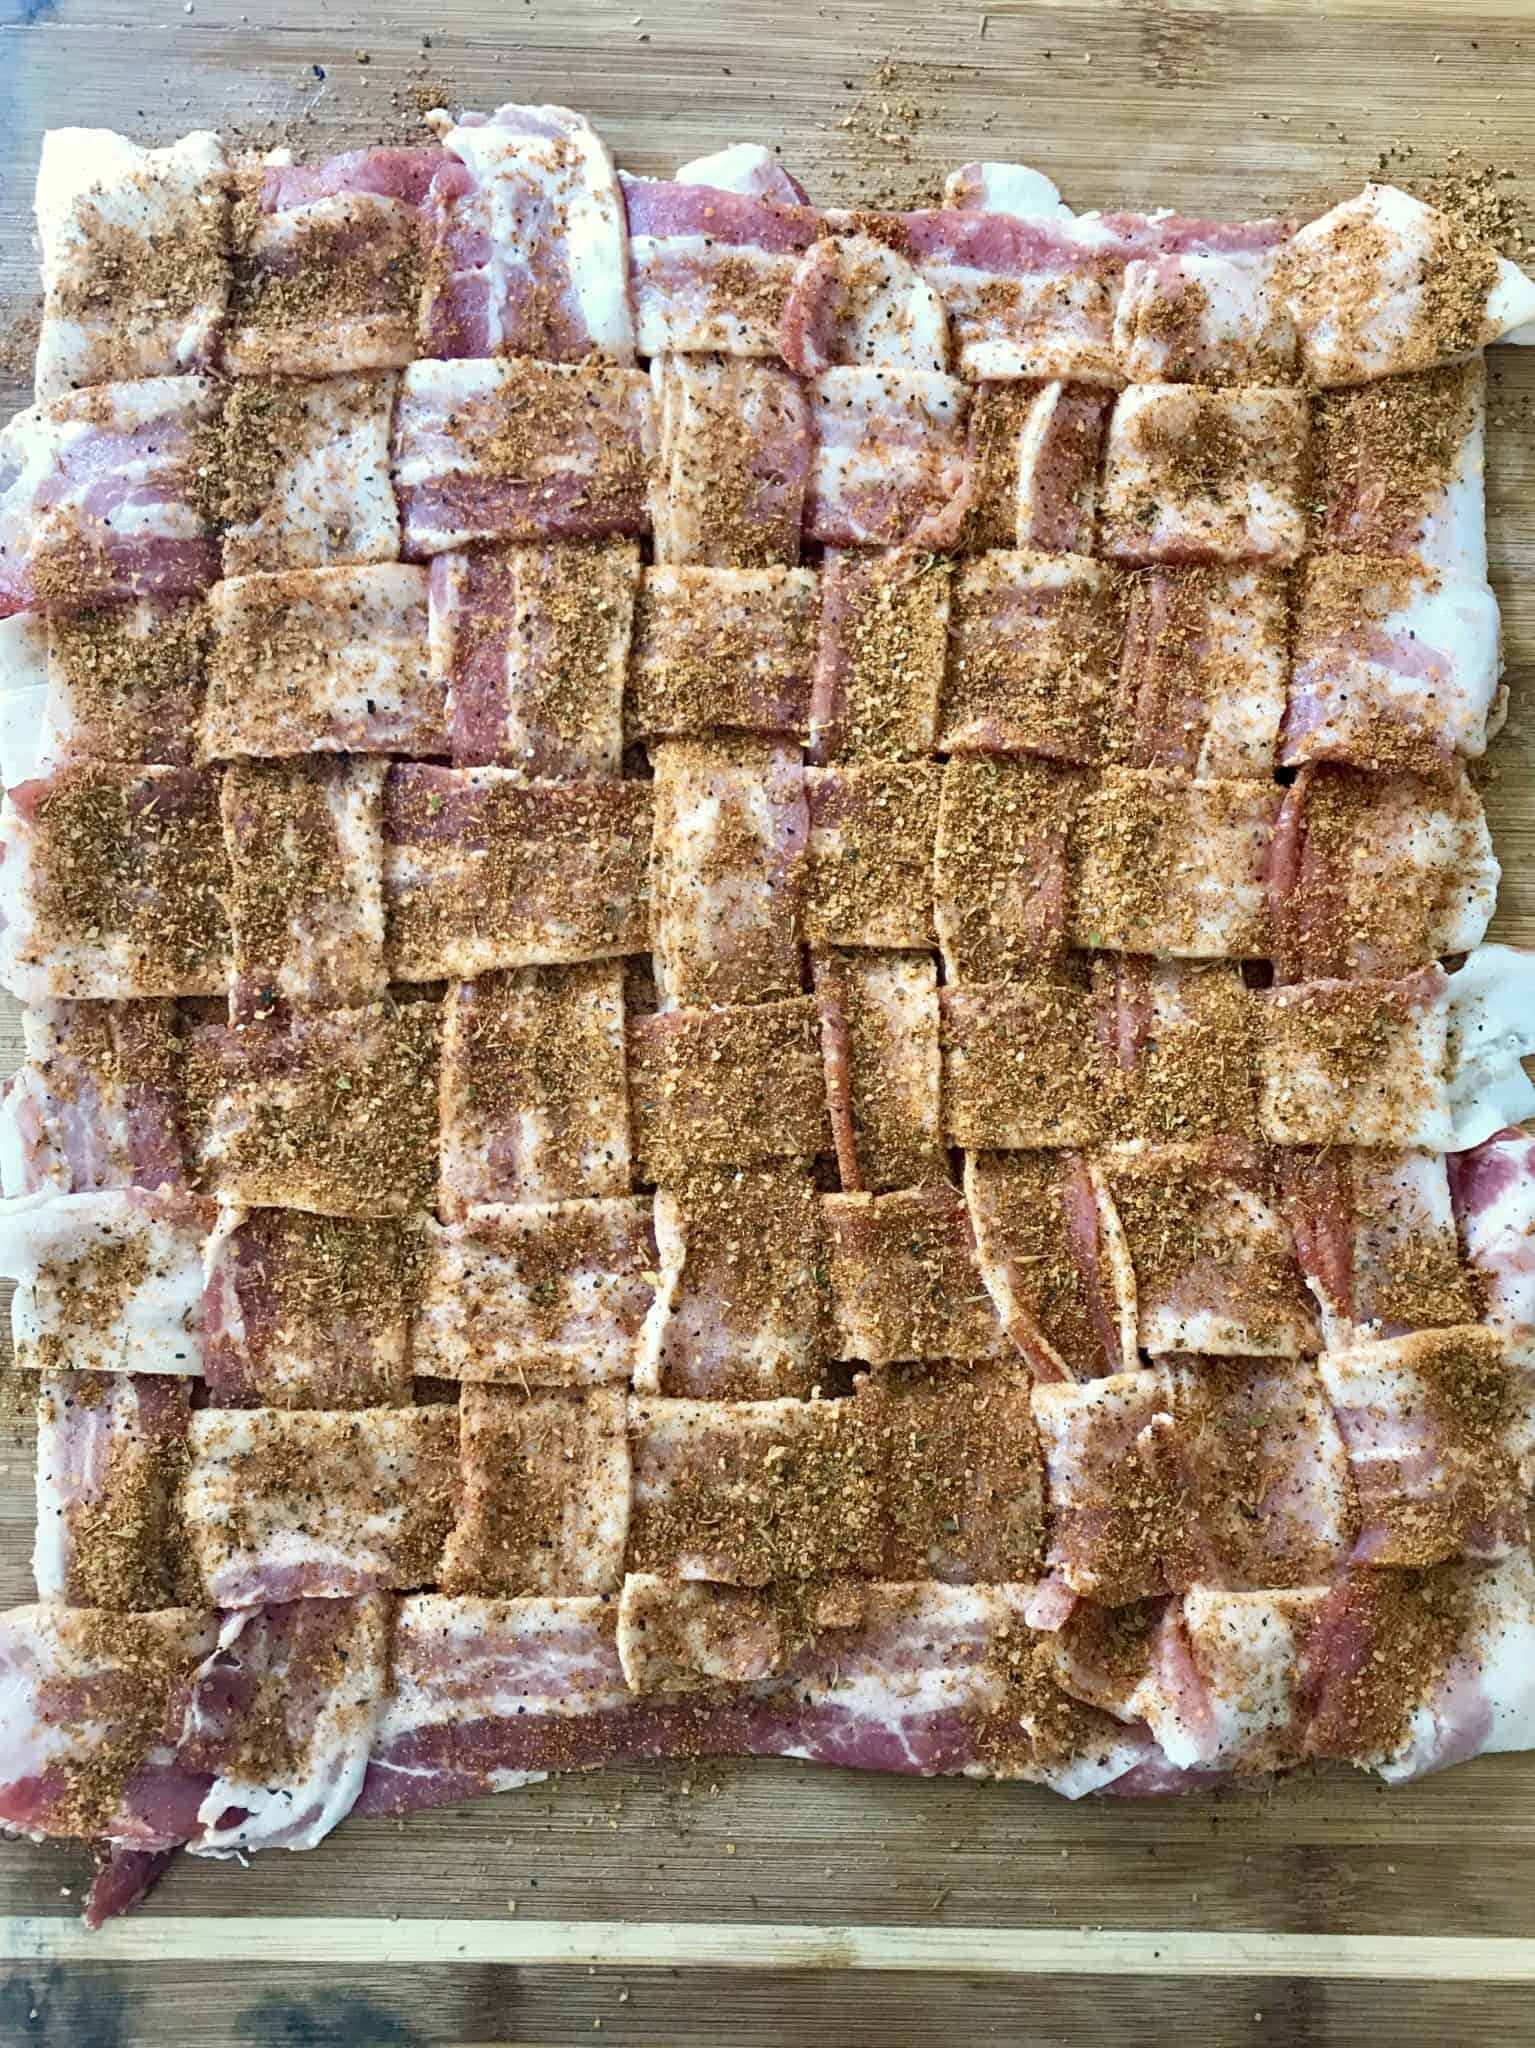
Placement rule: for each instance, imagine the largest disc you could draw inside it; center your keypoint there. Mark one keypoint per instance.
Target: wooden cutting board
(772, 1902)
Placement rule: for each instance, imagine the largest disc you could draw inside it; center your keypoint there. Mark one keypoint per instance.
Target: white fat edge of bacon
(1037, 480)
(894, 427)
(1453, 533)
(880, 312)
(298, 1806)
(527, 195)
(1231, 318)
(747, 168)
(1014, 189)
(1246, 1649)
(1485, 1700)
(1491, 1010)
(338, 467)
(156, 1326)
(1455, 618)
(26, 746)
(670, 1225)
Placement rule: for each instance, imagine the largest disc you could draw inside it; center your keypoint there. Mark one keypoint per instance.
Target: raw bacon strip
(889, 458)
(322, 661)
(736, 454)
(746, 167)
(1015, 189)
(1204, 670)
(856, 302)
(993, 456)
(869, 877)
(535, 1106)
(483, 870)
(1215, 1267)
(905, 1277)
(1247, 1650)
(520, 450)
(333, 1112)
(726, 874)
(711, 268)
(134, 257)
(1356, 1063)
(524, 237)
(533, 644)
(1204, 319)
(880, 659)
(306, 1311)
(294, 1504)
(1162, 864)
(1022, 1068)
(1398, 468)
(748, 1493)
(125, 683)
(110, 1453)
(545, 1479)
(326, 263)
(97, 1103)
(108, 1282)
(1205, 476)
(724, 648)
(1382, 283)
(1179, 1041)
(303, 474)
(306, 903)
(1053, 1257)
(547, 1295)
(1032, 460)
(1493, 1187)
(26, 745)
(880, 1045)
(281, 1718)
(1120, 1523)
(100, 497)
(1396, 666)
(1491, 1001)
(1000, 866)
(743, 1308)
(1032, 656)
(1375, 875)
(1426, 1419)
(726, 1087)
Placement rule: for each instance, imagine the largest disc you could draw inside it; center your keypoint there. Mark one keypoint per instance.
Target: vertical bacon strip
(97, 1103)
(736, 452)
(110, 1454)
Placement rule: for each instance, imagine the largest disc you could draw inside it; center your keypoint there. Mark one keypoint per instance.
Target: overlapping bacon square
(881, 1043)
(1204, 670)
(711, 269)
(1192, 475)
(735, 441)
(124, 683)
(724, 649)
(1001, 867)
(302, 474)
(880, 657)
(905, 1279)
(1022, 1068)
(98, 1101)
(726, 1087)
(889, 463)
(869, 874)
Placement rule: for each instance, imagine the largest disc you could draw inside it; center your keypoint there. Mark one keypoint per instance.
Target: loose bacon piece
(110, 1453)
(1396, 666)
(281, 1718)
(880, 660)
(1356, 1062)
(880, 1047)
(710, 268)
(97, 1103)
(730, 648)
(1015, 189)
(304, 473)
(108, 1282)
(736, 452)
(1382, 283)
(330, 1111)
(520, 450)
(307, 1311)
(524, 237)
(286, 1504)
(322, 661)
(905, 1277)
(100, 498)
(548, 1295)
(483, 870)
(545, 1479)
(1398, 468)
(1178, 1038)
(534, 1102)
(1426, 1419)
(125, 683)
(1204, 670)
(1204, 319)
(1375, 875)
(533, 643)
(306, 902)
(1162, 864)
(743, 1310)
(1490, 1032)
(1054, 1260)
(1000, 867)
(132, 241)
(856, 302)
(889, 458)
(1215, 1267)
(726, 1087)
(114, 878)
(730, 836)
(1022, 1068)
(869, 877)
(1032, 655)
(1205, 476)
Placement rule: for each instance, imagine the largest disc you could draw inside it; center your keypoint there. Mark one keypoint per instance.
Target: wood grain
(772, 1902)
